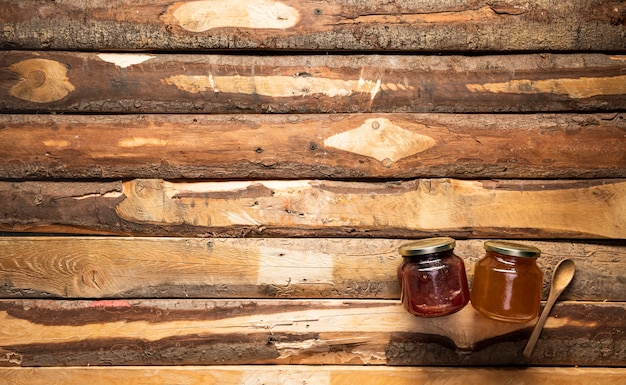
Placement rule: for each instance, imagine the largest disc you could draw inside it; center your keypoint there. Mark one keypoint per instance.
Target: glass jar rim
(427, 246)
(512, 249)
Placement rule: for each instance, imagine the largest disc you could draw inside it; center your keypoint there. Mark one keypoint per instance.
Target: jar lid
(513, 249)
(427, 246)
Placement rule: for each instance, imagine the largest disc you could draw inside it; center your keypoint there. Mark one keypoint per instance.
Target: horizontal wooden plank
(116, 83)
(460, 208)
(102, 267)
(194, 332)
(304, 374)
(316, 146)
(506, 25)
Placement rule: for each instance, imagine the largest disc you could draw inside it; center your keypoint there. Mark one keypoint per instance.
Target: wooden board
(506, 25)
(81, 82)
(314, 146)
(87, 267)
(461, 208)
(207, 332)
(303, 374)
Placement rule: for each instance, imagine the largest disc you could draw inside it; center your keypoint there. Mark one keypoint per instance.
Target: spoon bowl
(561, 278)
(562, 275)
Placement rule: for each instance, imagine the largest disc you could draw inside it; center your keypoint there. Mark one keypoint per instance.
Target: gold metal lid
(427, 246)
(513, 249)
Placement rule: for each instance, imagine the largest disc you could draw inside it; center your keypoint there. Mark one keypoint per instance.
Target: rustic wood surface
(303, 374)
(193, 332)
(477, 25)
(460, 208)
(285, 150)
(316, 146)
(80, 82)
(88, 267)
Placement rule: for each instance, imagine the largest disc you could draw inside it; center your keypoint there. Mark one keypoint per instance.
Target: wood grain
(303, 374)
(193, 332)
(480, 25)
(81, 82)
(295, 145)
(86, 267)
(415, 208)
(317, 146)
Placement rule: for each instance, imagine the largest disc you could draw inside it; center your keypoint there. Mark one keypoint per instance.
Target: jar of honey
(507, 282)
(432, 278)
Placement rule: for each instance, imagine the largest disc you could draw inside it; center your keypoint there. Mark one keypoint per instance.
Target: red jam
(507, 282)
(432, 278)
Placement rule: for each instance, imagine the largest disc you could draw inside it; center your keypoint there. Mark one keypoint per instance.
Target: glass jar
(432, 278)
(507, 282)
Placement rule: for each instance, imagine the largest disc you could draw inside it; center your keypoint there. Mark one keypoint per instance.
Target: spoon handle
(530, 345)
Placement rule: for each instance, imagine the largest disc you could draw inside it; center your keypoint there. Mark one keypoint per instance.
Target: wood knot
(41, 81)
(92, 278)
(35, 78)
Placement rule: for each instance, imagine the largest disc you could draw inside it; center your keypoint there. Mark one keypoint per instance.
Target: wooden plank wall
(215, 192)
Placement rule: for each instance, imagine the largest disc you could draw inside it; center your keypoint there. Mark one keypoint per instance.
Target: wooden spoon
(561, 277)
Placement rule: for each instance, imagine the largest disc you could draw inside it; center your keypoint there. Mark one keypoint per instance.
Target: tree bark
(165, 83)
(308, 25)
(203, 332)
(416, 208)
(351, 146)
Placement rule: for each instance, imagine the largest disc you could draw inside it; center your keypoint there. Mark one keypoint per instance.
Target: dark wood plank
(117, 83)
(104, 267)
(316, 146)
(303, 374)
(193, 332)
(415, 208)
(504, 25)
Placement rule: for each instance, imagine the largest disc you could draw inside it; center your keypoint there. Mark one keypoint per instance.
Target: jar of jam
(507, 282)
(432, 278)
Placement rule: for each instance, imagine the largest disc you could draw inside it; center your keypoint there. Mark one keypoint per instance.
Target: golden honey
(507, 282)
